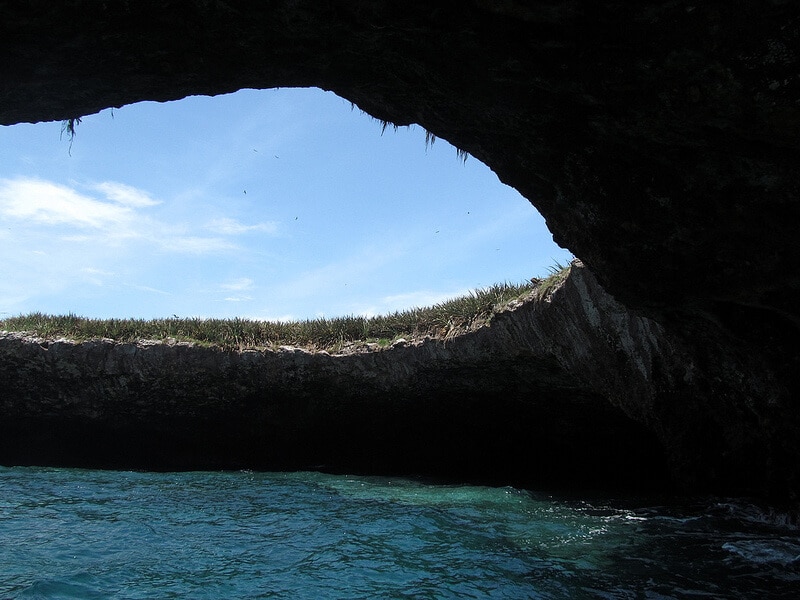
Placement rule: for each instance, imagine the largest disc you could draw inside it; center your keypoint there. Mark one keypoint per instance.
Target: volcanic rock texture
(659, 139)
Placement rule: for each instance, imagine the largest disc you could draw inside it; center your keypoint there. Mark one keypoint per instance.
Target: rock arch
(661, 142)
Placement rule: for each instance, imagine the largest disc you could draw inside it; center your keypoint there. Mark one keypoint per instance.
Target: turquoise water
(68, 533)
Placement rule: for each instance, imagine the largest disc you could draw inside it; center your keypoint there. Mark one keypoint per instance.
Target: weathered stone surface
(571, 388)
(660, 141)
(524, 399)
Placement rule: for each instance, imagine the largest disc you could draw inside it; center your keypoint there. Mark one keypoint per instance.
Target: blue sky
(265, 204)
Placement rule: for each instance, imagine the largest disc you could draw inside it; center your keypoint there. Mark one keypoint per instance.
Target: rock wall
(571, 389)
(522, 400)
(660, 141)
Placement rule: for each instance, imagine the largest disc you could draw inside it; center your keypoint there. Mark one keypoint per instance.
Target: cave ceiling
(660, 140)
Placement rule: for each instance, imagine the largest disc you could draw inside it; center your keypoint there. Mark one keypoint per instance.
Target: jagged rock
(660, 142)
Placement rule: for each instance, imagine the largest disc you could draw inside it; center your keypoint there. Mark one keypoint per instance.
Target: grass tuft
(430, 138)
(558, 273)
(68, 127)
(440, 321)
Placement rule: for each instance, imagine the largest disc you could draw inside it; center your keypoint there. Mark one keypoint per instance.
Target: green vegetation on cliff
(441, 320)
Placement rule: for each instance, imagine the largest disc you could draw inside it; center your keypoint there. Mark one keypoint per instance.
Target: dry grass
(440, 320)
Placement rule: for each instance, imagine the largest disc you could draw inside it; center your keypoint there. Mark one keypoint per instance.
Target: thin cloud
(363, 263)
(95, 276)
(226, 226)
(125, 194)
(196, 245)
(238, 285)
(145, 288)
(242, 284)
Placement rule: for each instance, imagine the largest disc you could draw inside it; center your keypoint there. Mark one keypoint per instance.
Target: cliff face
(660, 141)
(571, 389)
(524, 399)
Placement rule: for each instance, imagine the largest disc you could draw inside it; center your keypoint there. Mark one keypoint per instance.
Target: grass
(441, 321)
(68, 127)
(430, 138)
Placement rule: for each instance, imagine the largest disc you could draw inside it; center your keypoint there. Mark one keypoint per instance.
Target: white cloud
(58, 241)
(34, 201)
(238, 285)
(194, 244)
(226, 226)
(26, 203)
(125, 194)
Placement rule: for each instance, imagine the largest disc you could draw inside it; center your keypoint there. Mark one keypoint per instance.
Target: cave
(661, 142)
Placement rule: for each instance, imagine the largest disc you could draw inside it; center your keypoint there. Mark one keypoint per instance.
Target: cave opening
(270, 204)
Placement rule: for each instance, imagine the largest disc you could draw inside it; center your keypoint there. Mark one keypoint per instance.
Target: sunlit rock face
(661, 141)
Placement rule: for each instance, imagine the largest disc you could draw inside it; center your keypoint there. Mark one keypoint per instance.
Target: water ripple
(99, 534)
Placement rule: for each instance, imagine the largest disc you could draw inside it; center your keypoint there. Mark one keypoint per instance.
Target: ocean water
(67, 533)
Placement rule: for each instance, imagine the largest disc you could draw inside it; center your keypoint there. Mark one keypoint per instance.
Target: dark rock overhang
(660, 140)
